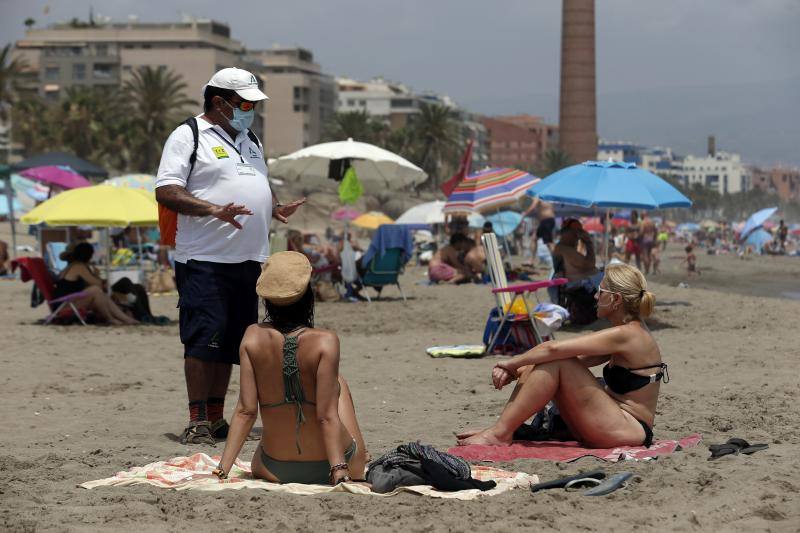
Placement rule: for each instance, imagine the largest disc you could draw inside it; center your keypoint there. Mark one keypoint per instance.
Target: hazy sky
(496, 56)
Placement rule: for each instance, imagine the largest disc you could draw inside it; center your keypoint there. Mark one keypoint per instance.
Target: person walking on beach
(633, 240)
(546, 216)
(224, 205)
(648, 241)
(783, 232)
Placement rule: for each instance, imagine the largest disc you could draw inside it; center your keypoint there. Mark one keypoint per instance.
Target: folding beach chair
(383, 271)
(521, 325)
(33, 268)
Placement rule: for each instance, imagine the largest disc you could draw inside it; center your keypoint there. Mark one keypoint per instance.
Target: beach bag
(514, 338)
(326, 292)
(167, 218)
(162, 280)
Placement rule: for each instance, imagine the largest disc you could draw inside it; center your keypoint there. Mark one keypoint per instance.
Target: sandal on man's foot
(219, 429)
(198, 433)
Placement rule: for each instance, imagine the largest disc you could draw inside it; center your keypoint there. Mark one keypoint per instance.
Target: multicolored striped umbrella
(489, 190)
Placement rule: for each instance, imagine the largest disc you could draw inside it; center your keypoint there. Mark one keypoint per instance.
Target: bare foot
(486, 437)
(467, 433)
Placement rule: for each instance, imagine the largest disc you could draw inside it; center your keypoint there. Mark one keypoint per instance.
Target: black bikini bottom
(648, 434)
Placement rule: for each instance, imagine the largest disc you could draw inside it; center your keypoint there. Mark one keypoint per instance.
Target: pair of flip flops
(734, 446)
(599, 483)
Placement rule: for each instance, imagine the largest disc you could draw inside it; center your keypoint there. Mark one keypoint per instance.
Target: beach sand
(83, 403)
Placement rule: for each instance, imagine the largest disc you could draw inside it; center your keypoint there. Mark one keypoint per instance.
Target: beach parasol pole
(605, 237)
(108, 260)
(10, 200)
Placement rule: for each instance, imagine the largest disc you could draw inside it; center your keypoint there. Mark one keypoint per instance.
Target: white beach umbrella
(377, 169)
(427, 213)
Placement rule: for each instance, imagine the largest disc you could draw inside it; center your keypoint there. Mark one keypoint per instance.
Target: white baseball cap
(236, 79)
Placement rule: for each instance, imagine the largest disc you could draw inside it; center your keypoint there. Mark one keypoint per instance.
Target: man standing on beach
(546, 216)
(224, 205)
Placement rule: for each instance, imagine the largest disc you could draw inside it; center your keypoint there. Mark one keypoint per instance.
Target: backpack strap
(192, 123)
(253, 137)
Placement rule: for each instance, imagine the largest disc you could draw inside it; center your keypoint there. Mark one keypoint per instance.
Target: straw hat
(284, 278)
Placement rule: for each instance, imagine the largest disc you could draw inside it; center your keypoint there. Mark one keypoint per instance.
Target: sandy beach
(81, 403)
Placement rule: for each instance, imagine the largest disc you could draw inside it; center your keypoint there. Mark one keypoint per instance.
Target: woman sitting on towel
(619, 413)
(290, 375)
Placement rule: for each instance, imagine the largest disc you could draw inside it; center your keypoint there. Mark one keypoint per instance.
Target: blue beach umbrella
(757, 239)
(757, 220)
(609, 184)
(505, 222)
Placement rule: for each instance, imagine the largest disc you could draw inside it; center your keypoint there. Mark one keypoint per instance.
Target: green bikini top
(292, 384)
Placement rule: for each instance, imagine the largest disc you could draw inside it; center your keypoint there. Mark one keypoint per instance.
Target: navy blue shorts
(217, 303)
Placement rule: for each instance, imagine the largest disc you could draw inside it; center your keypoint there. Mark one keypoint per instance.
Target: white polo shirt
(227, 170)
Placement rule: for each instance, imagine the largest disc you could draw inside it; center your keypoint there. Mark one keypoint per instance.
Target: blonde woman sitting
(622, 412)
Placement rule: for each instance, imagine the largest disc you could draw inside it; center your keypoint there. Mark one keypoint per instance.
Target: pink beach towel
(570, 451)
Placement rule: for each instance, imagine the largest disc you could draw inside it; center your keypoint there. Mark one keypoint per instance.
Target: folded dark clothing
(419, 464)
(442, 479)
(384, 478)
(414, 451)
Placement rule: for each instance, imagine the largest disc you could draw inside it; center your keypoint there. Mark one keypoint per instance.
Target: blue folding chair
(383, 271)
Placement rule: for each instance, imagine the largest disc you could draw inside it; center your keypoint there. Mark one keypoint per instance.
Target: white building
(391, 102)
(722, 171)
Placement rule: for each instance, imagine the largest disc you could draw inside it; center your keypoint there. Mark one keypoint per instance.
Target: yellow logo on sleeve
(220, 152)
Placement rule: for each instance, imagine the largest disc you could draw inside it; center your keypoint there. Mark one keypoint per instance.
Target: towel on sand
(194, 473)
(570, 451)
(457, 350)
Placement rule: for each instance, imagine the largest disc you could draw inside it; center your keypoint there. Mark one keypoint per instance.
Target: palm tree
(34, 125)
(10, 70)
(91, 121)
(553, 161)
(157, 104)
(356, 125)
(437, 129)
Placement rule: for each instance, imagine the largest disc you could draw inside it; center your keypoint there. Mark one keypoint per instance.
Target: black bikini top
(622, 380)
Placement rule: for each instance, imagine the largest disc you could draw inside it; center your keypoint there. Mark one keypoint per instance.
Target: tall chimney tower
(577, 106)
(712, 146)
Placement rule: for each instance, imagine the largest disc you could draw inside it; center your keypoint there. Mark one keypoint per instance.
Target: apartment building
(780, 180)
(64, 55)
(519, 141)
(394, 103)
(718, 170)
(302, 98)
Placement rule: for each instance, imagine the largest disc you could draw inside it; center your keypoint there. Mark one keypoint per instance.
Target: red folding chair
(34, 268)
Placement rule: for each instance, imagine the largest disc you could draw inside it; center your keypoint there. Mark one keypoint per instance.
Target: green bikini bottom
(307, 472)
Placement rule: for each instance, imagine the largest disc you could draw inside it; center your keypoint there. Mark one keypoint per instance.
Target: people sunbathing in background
(449, 263)
(80, 276)
(290, 376)
(619, 413)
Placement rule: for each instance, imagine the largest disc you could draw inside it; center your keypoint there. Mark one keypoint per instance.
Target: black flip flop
(610, 484)
(734, 446)
(562, 482)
